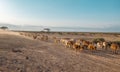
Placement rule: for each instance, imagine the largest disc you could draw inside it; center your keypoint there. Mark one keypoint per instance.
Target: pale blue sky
(82, 13)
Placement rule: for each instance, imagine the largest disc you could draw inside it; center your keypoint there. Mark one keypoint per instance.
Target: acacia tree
(4, 27)
(46, 29)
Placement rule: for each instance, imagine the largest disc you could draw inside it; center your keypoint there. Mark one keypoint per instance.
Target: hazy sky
(82, 13)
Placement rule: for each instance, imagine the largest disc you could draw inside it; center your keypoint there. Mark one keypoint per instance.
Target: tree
(98, 40)
(46, 29)
(4, 27)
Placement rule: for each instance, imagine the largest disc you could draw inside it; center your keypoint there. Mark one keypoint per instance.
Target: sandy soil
(22, 54)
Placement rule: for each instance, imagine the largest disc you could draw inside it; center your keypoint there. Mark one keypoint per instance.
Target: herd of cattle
(78, 44)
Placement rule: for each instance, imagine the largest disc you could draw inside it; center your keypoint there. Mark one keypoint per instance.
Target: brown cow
(85, 44)
(57, 40)
(75, 46)
(91, 47)
(106, 45)
(114, 47)
(34, 36)
(70, 44)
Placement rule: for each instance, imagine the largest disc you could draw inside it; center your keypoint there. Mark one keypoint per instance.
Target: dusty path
(40, 56)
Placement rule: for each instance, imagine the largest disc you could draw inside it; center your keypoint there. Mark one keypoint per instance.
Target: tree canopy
(4, 27)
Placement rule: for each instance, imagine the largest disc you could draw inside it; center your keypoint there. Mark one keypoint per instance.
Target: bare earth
(23, 54)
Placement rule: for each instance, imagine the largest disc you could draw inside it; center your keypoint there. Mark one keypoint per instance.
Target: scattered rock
(16, 50)
(27, 57)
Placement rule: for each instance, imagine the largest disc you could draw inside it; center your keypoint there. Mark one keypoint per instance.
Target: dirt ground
(22, 54)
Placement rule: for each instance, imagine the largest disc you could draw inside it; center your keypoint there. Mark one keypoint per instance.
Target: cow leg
(116, 52)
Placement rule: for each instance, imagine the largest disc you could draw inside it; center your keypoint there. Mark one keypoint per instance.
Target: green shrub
(98, 40)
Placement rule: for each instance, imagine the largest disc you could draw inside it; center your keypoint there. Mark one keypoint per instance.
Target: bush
(75, 33)
(60, 33)
(98, 40)
(4, 27)
(117, 42)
